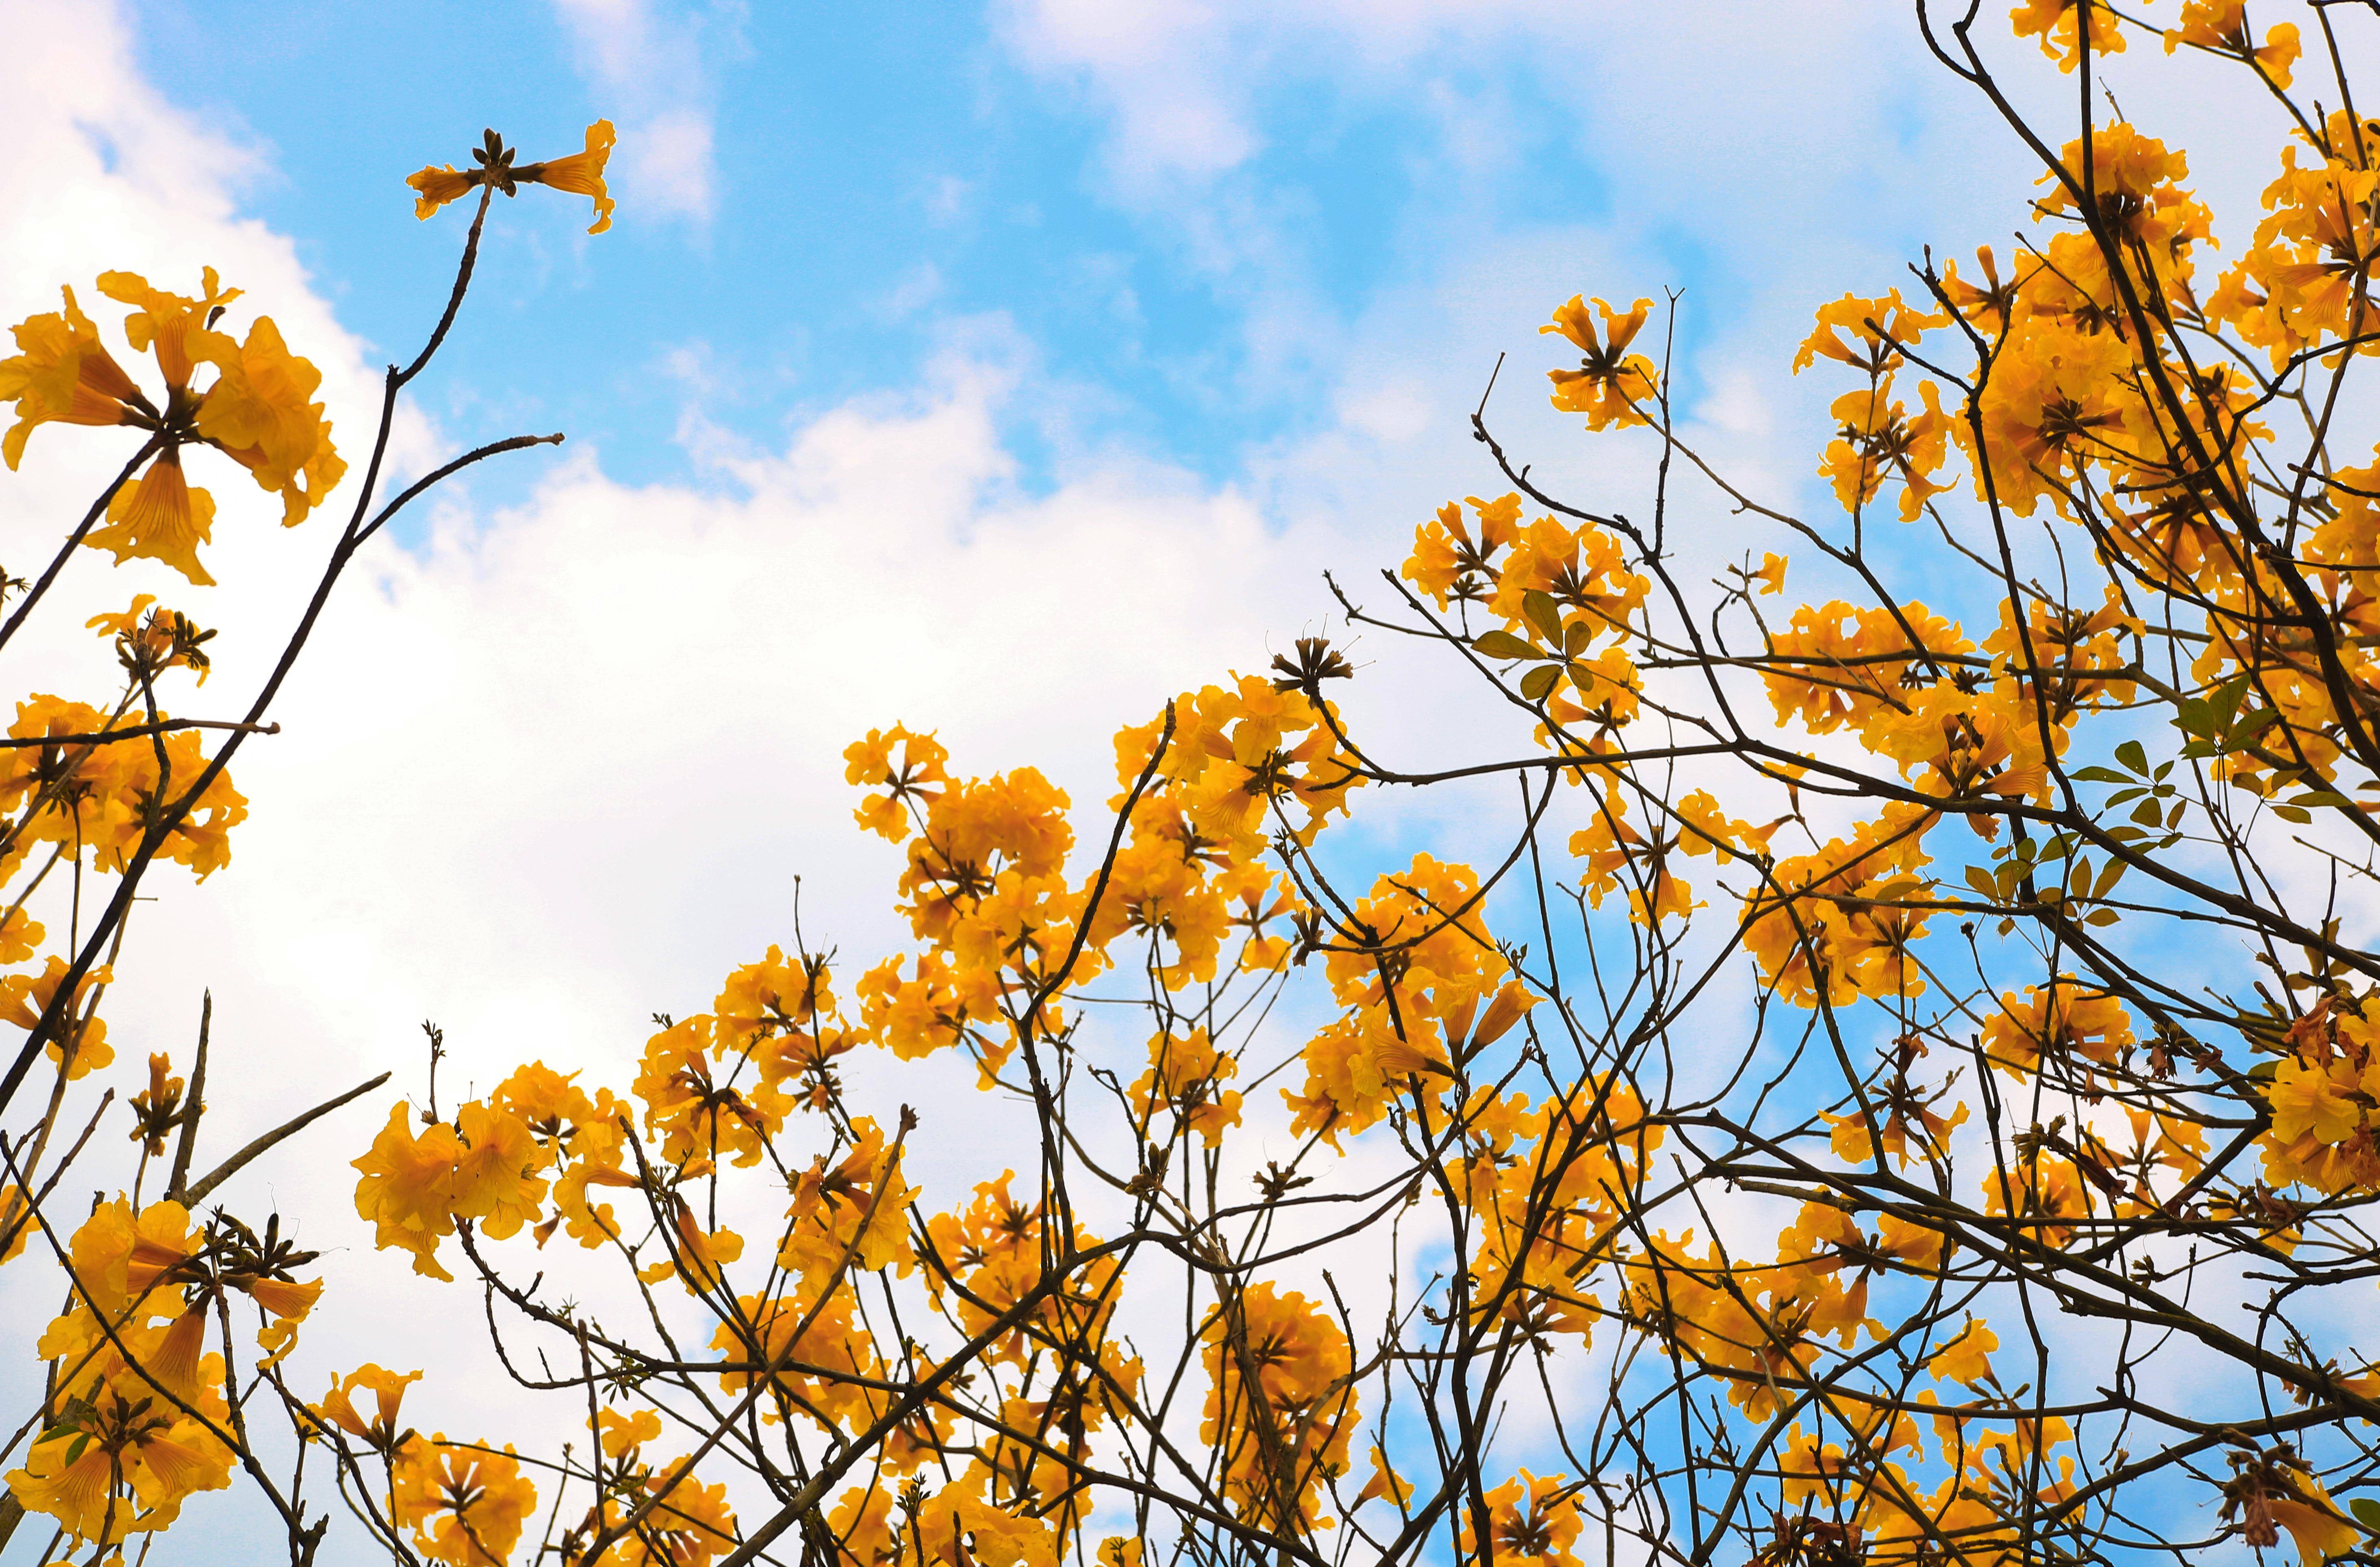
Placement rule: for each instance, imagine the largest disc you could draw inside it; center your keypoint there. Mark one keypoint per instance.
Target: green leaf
(2245, 732)
(2132, 756)
(2323, 797)
(2101, 916)
(1544, 614)
(2109, 874)
(2098, 775)
(2224, 701)
(1575, 637)
(2262, 1071)
(2367, 1513)
(2291, 813)
(1539, 684)
(2148, 814)
(1980, 881)
(1502, 645)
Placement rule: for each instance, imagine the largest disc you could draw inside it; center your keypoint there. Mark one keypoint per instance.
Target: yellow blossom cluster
(137, 1419)
(256, 409)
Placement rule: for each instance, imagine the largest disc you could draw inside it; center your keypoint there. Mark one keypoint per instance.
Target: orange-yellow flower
(407, 1190)
(465, 1503)
(79, 1041)
(160, 518)
(1966, 1358)
(2061, 25)
(1534, 1521)
(63, 374)
(581, 174)
(387, 1388)
(2221, 26)
(1609, 382)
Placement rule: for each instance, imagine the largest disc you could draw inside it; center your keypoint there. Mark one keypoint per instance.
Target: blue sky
(881, 182)
(875, 173)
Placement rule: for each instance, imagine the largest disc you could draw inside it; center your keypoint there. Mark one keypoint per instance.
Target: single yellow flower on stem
(580, 174)
(160, 518)
(433, 187)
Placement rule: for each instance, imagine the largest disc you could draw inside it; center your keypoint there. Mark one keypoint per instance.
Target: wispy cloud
(647, 61)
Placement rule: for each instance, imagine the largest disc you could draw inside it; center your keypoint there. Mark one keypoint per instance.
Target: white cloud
(670, 164)
(1158, 66)
(645, 63)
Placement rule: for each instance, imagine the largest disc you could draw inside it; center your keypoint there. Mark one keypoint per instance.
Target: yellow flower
(1878, 328)
(160, 518)
(2060, 25)
(1966, 1358)
(496, 1182)
(465, 1502)
(433, 187)
(16, 1222)
(2276, 1489)
(171, 325)
(1385, 1481)
(2062, 1019)
(622, 1434)
(63, 374)
(388, 1392)
(1277, 1371)
(2221, 26)
(287, 1302)
(1184, 1076)
(918, 777)
(1609, 381)
(1532, 1519)
(580, 174)
(257, 413)
(79, 1042)
(80, 1471)
(690, 1525)
(407, 1190)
